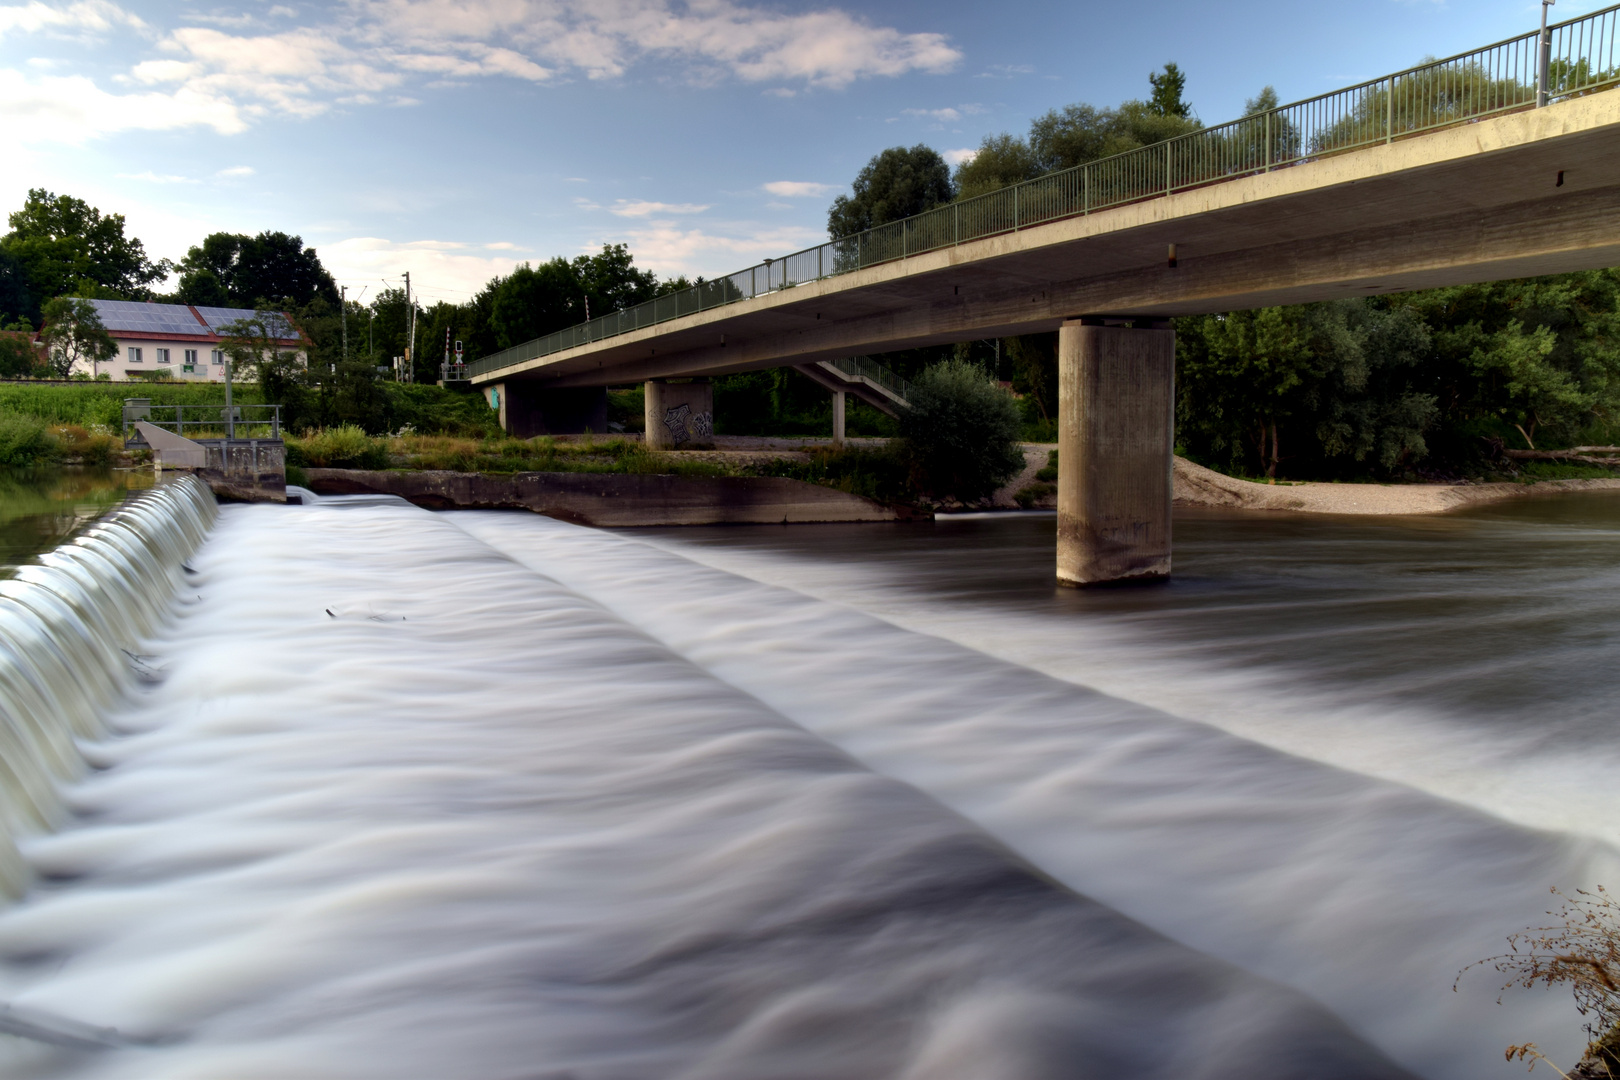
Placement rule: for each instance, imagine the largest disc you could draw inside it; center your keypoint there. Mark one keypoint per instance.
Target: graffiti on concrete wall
(685, 425)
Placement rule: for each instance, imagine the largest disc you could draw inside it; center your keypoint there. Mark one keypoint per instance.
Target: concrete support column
(679, 413)
(1116, 432)
(838, 418)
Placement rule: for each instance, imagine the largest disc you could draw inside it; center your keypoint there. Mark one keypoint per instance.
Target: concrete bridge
(1446, 174)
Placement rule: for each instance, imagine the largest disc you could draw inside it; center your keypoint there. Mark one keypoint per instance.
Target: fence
(1497, 79)
(248, 421)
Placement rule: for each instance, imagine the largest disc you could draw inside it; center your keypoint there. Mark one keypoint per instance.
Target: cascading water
(71, 625)
(484, 796)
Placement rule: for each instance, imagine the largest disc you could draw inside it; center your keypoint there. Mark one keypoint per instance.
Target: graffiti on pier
(684, 424)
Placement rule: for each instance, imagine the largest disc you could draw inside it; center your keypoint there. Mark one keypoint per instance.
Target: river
(487, 795)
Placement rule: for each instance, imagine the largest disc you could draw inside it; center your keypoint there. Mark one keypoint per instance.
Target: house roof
(135, 319)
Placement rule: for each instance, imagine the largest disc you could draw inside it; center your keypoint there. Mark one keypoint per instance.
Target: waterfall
(70, 629)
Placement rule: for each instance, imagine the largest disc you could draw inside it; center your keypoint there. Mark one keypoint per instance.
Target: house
(180, 340)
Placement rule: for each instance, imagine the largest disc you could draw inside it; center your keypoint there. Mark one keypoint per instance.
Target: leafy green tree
(1168, 86)
(61, 242)
(612, 281)
(15, 302)
(960, 433)
(73, 333)
(1077, 134)
(1537, 355)
(1001, 161)
(895, 184)
(1321, 386)
(271, 269)
(19, 357)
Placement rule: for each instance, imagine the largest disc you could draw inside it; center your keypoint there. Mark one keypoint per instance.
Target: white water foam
(400, 807)
(1367, 895)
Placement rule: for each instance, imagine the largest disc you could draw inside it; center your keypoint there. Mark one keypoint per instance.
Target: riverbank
(1198, 486)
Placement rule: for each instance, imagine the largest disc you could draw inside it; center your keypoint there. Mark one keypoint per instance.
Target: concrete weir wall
(614, 499)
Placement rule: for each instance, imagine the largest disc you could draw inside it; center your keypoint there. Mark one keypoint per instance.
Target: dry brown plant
(1582, 951)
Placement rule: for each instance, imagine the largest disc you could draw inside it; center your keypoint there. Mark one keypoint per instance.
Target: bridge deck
(1526, 193)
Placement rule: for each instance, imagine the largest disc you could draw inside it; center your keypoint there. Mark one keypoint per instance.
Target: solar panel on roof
(132, 315)
(219, 317)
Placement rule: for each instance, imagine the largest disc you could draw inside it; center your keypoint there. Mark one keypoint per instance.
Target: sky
(456, 138)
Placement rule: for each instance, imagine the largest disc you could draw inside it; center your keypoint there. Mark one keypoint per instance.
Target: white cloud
(235, 171)
(800, 189)
(442, 269)
(225, 72)
(643, 208)
(72, 109)
(156, 178)
(92, 16)
(957, 157)
(669, 249)
(933, 114)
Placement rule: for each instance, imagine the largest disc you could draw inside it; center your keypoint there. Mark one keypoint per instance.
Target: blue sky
(454, 138)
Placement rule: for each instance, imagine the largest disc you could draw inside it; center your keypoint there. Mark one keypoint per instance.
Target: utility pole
(343, 302)
(445, 371)
(1543, 68)
(410, 324)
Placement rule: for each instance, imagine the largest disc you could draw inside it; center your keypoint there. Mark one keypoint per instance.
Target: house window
(190, 366)
(219, 356)
(191, 356)
(134, 354)
(162, 356)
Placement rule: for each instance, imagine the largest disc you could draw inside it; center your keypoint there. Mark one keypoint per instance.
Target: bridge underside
(1524, 194)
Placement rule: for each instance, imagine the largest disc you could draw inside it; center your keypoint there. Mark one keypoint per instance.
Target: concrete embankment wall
(613, 499)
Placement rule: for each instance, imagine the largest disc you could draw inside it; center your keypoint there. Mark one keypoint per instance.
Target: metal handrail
(1471, 86)
(863, 367)
(215, 417)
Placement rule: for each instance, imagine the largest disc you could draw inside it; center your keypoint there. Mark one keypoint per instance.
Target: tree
(1320, 385)
(270, 269)
(1538, 355)
(64, 244)
(18, 355)
(1001, 161)
(15, 303)
(74, 332)
(960, 433)
(1167, 89)
(895, 184)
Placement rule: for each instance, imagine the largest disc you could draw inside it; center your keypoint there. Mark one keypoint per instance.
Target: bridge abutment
(679, 413)
(1116, 437)
(528, 409)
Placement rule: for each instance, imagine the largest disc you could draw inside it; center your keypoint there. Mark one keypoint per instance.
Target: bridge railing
(1465, 88)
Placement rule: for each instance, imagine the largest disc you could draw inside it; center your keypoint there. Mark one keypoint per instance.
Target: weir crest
(71, 624)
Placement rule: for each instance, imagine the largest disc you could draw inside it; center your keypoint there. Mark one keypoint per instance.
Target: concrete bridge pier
(838, 418)
(1116, 439)
(679, 412)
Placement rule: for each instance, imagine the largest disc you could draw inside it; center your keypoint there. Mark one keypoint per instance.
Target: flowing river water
(355, 790)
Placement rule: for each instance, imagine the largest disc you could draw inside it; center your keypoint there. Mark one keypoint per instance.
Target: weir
(71, 628)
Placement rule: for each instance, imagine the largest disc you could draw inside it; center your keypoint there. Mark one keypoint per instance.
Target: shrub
(24, 440)
(345, 447)
(960, 435)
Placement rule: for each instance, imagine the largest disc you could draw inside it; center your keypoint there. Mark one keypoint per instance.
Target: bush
(960, 435)
(345, 447)
(24, 440)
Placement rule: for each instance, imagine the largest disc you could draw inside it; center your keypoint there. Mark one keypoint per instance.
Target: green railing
(1500, 78)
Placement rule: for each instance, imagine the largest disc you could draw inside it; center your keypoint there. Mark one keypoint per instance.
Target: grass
(350, 448)
(1558, 470)
(875, 474)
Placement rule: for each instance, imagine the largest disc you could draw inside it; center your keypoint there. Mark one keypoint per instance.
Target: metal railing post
(1544, 60)
(1389, 112)
(1169, 165)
